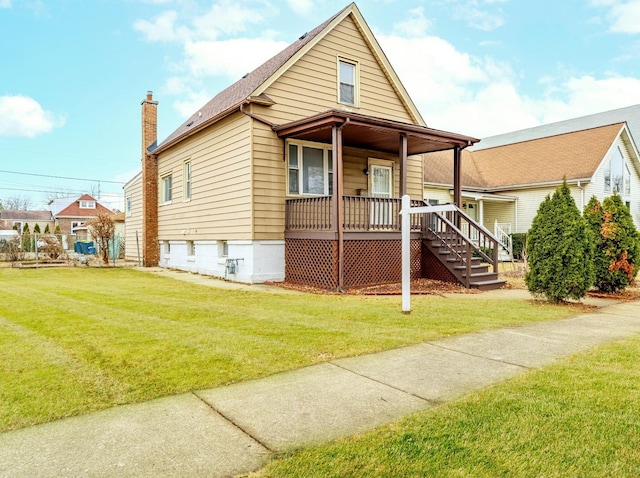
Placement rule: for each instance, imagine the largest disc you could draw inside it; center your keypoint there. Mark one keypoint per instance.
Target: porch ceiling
(369, 132)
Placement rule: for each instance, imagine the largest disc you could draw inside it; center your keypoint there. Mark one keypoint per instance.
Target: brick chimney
(150, 246)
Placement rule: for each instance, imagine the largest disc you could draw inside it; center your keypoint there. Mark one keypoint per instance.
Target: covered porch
(351, 236)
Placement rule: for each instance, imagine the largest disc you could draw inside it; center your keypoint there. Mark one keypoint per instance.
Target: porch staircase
(473, 262)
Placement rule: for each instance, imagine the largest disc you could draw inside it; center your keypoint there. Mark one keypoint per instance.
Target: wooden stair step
(487, 284)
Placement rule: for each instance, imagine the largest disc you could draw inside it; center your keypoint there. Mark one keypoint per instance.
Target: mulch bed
(418, 287)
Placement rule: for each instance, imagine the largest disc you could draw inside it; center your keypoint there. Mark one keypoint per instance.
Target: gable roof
(251, 87)
(74, 210)
(574, 156)
(629, 114)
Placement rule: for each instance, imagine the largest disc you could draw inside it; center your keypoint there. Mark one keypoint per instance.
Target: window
(191, 248)
(187, 180)
(347, 78)
(75, 225)
(310, 169)
(87, 204)
(617, 177)
(166, 189)
(129, 206)
(223, 249)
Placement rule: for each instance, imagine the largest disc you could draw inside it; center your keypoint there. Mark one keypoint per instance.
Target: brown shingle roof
(574, 155)
(232, 97)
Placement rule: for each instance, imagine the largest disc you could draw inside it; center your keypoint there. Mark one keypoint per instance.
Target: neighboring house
(72, 214)
(505, 180)
(295, 172)
(133, 219)
(11, 219)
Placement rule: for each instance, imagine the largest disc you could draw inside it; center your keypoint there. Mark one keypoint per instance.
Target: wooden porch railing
(364, 214)
(462, 235)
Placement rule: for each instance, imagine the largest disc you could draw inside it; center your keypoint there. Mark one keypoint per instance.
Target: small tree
(617, 243)
(47, 230)
(26, 238)
(559, 249)
(36, 228)
(102, 229)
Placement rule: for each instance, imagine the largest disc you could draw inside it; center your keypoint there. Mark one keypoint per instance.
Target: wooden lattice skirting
(314, 262)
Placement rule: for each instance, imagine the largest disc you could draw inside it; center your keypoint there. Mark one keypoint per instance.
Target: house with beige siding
(295, 172)
(505, 181)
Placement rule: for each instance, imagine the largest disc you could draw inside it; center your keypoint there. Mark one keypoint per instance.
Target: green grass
(578, 418)
(79, 339)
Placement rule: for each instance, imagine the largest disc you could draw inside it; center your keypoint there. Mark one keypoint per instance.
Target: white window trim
(325, 167)
(128, 205)
(163, 178)
(356, 80)
(626, 175)
(87, 204)
(187, 181)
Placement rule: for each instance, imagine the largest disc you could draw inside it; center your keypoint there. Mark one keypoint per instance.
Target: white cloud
(161, 29)
(483, 20)
(415, 25)
(481, 97)
(23, 116)
(301, 7)
(231, 58)
(5, 3)
(624, 16)
(226, 17)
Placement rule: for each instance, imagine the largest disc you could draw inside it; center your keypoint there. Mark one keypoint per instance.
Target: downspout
(581, 196)
(339, 203)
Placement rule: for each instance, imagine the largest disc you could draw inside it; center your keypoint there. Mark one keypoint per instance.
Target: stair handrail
(465, 242)
(484, 235)
(500, 232)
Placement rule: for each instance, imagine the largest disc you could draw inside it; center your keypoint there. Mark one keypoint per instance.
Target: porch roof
(370, 132)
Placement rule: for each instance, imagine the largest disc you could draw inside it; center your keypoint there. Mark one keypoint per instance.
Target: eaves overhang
(373, 133)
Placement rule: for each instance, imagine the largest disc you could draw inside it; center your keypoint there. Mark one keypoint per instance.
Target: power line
(62, 177)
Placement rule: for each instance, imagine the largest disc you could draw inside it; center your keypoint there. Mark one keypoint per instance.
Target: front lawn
(74, 340)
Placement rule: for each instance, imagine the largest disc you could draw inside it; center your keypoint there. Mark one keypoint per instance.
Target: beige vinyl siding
(269, 169)
(503, 212)
(133, 224)
(310, 85)
(220, 205)
(442, 195)
(529, 201)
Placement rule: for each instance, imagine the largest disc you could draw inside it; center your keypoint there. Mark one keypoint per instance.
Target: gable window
(310, 169)
(617, 177)
(187, 180)
(129, 206)
(87, 204)
(347, 82)
(166, 189)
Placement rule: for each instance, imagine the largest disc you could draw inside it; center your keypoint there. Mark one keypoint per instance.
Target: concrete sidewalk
(236, 429)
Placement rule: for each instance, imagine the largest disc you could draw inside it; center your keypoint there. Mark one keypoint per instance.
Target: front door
(381, 178)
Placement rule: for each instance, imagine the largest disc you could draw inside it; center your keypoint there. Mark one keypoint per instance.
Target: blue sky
(73, 72)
